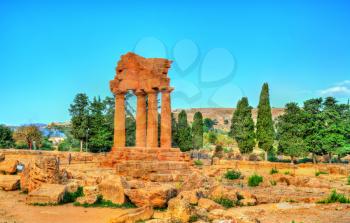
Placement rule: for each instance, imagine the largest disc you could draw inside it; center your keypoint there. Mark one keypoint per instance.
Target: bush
(318, 173)
(255, 180)
(334, 197)
(193, 218)
(348, 180)
(273, 182)
(273, 171)
(233, 175)
(219, 151)
(100, 202)
(198, 162)
(226, 203)
(72, 197)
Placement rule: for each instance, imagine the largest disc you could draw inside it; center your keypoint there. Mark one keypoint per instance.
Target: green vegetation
(184, 134)
(193, 218)
(6, 139)
(286, 173)
(273, 182)
(198, 162)
(226, 203)
(100, 202)
(28, 135)
(208, 124)
(72, 197)
(334, 197)
(197, 130)
(242, 126)
(348, 180)
(255, 180)
(233, 174)
(318, 173)
(273, 171)
(265, 132)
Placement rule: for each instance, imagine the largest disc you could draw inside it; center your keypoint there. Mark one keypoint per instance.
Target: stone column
(165, 138)
(119, 120)
(141, 119)
(152, 119)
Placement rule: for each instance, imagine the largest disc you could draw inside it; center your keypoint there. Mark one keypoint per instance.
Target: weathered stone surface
(72, 186)
(2, 157)
(208, 204)
(132, 216)
(112, 189)
(46, 194)
(220, 191)
(248, 202)
(190, 196)
(9, 182)
(179, 210)
(39, 171)
(90, 195)
(155, 196)
(8, 166)
(196, 180)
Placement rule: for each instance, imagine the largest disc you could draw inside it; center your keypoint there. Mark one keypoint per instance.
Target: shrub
(226, 203)
(273, 171)
(219, 151)
(193, 218)
(273, 182)
(100, 202)
(233, 175)
(348, 180)
(286, 173)
(198, 162)
(318, 173)
(255, 180)
(72, 197)
(334, 197)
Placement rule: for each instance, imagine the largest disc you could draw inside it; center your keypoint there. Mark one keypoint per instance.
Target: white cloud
(342, 89)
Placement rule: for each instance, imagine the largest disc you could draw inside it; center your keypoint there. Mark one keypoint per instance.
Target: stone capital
(167, 90)
(139, 92)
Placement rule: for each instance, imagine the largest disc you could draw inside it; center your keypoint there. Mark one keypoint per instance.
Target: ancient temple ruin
(147, 78)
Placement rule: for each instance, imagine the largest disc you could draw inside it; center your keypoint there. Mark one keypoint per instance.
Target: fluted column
(119, 120)
(141, 119)
(152, 119)
(165, 138)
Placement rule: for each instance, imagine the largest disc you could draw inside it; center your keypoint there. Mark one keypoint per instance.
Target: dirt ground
(14, 210)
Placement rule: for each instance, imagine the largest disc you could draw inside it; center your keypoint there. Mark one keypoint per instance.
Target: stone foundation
(154, 164)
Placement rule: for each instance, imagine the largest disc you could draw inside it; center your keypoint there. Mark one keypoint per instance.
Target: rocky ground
(203, 195)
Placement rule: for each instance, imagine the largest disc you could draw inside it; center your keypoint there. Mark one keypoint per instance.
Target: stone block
(9, 182)
(46, 194)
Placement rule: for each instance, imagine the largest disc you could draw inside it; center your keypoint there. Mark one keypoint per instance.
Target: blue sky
(222, 50)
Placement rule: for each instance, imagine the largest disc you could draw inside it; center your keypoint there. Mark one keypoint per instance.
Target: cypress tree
(264, 127)
(242, 126)
(197, 130)
(184, 136)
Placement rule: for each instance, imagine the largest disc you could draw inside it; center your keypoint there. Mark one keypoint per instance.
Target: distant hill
(222, 115)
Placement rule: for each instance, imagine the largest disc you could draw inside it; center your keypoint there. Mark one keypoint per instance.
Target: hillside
(222, 115)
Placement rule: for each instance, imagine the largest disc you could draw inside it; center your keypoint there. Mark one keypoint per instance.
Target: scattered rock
(9, 182)
(41, 170)
(72, 186)
(190, 196)
(220, 191)
(46, 194)
(8, 166)
(112, 189)
(208, 204)
(90, 195)
(134, 215)
(179, 210)
(248, 202)
(155, 196)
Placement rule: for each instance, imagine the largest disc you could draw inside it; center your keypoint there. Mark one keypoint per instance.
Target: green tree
(6, 140)
(313, 126)
(264, 127)
(174, 137)
(290, 132)
(184, 134)
(30, 135)
(130, 128)
(99, 135)
(197, 130)
(79, 111)
(209, 124)
(333, 133)
(212, 137)
(242, 126)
